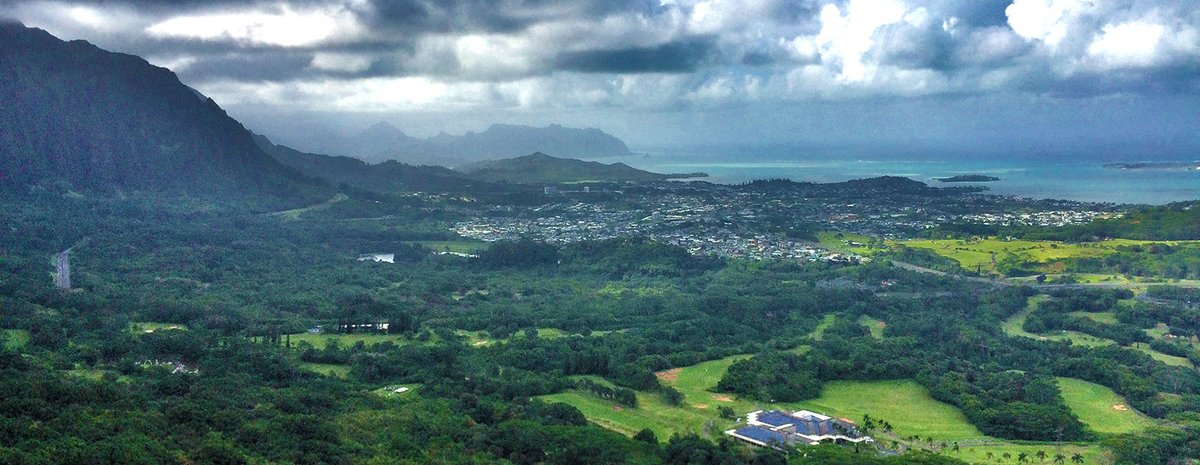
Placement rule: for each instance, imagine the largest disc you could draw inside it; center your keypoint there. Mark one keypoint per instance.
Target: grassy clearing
(825, 323)
(977, 253)
(151, 326)
(463, 247)
(397, 391)
(1013, 327)
(15, 338)
(847, 242)
(320, 340)
(1100, 408)
(327, 369)
(972, 452)
(974, 254)
(462, 295)
(904, 403)
(1107, 318)
(874, 324)
(295, 214)
(615, 289)
(1167, 359)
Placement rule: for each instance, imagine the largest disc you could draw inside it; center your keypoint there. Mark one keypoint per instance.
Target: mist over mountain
(76, 117)
(382, 142)
(388, 176)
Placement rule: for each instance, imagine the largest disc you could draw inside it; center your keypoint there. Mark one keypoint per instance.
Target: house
(777, 428)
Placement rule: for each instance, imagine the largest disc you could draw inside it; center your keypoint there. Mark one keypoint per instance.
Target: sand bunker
(722, 398)
(669, 375)
(1120, 407)
(700, 406)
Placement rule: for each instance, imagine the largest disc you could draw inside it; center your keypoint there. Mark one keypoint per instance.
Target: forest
(228, 378)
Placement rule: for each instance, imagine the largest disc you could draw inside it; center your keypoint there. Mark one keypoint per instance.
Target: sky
(1027, 77)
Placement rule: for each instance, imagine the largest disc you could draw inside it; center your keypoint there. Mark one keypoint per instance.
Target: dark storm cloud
(643, 54)
(678, 57)
(500, 16)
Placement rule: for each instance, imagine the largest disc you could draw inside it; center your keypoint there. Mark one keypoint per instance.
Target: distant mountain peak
(382, 129)
(538, 167)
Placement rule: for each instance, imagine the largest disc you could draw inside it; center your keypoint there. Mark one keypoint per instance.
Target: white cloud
(494, 56)
(846, 38)
(344, 62)
(1048, 21)
(282, 26)
(1132, 44)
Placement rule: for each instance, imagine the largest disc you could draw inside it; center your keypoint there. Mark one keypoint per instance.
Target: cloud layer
(635, 55)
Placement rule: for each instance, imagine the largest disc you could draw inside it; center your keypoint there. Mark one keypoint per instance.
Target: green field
(15, 338)
(847, 242)
(903, 403)
(327, 369)
(320, 340)
(1167, 359)
(1013, 327)
(825, 323)
(389, 391)
(1107, 318)
(874, 324)
(977, 253)
(1100, 408)
(464, 247)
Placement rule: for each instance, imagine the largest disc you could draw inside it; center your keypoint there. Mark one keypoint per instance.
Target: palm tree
(989, 455)
(1006, 455)
(1022, 457)
(1077, 458)
(1059, 458)
(1041, 454)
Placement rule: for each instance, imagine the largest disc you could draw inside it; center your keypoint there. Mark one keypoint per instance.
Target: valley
(228, 300)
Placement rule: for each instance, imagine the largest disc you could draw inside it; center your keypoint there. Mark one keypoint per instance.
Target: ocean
(1088, 181)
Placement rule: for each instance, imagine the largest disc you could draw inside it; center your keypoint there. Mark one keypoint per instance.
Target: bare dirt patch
(1120, 407)
(669, 375)
(722, 398)
(700, 406)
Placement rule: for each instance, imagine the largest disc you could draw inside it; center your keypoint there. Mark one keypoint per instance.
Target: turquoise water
(1071, 180)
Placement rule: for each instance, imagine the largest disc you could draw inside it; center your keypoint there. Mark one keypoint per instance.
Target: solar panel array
(809, 426)
(762, 435)
(776, 418)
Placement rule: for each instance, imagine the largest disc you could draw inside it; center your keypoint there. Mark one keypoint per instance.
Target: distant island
(968, 178)
(1155, 166)
(539, 168)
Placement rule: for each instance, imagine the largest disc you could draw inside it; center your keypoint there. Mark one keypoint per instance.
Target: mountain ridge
(540, 168)
(383, 141)
(78, 117)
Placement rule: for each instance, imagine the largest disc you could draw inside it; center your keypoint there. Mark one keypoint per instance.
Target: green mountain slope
(76, 117)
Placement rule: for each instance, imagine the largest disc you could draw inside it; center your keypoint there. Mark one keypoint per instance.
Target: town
(762, 220)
